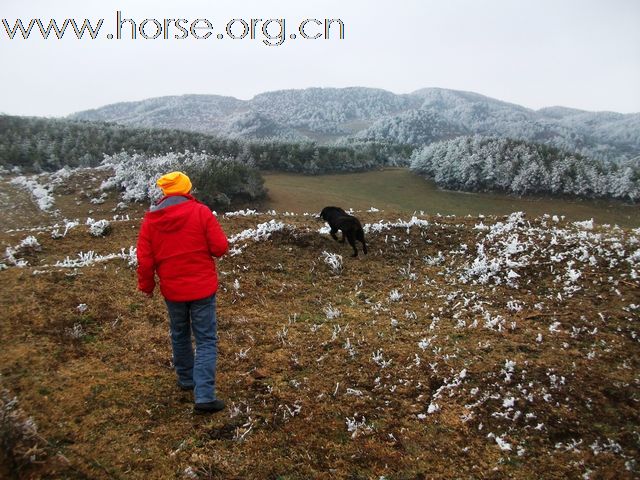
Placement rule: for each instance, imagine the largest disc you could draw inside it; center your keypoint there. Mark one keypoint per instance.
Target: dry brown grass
(107, 405)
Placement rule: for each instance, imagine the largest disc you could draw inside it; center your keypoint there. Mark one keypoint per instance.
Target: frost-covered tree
(216, 180)
(479, 163)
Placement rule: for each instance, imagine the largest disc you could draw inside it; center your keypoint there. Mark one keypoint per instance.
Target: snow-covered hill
(419, 118)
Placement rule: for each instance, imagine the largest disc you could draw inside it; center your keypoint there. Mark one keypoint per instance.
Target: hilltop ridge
(355, 113)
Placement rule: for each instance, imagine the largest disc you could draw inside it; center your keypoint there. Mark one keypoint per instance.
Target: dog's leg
(360, 236)
(342, 241)
(352, 242)
(333, 234)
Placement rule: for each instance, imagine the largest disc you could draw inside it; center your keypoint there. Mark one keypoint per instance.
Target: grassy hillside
(494, 347)
(406, 192)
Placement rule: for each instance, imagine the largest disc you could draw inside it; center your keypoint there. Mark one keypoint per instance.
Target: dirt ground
(415, 361)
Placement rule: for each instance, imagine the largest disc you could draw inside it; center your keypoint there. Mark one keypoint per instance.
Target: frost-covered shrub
(28, 246)
(86, 259)
(10, 257)
(395, 295)
(585, 225)
(216, 180)
(100, 228)
(242, 213)
(68, 225)
(136, 174)
(99, 200)
(41, 186)
(261, 232)
(334, 261)
(42, 194)
(383, 225)
(504, 248)
(358, 427)
(331, 312)
(434, 260)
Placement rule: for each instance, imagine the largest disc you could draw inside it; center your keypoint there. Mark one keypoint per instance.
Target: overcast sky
(577, 53)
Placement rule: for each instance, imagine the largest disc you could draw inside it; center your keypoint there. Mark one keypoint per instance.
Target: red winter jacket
(178, 243)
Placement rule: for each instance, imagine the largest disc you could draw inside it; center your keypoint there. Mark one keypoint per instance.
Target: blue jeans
(197, 370)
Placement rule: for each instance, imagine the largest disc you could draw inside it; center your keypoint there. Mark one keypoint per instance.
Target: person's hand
(148, 294)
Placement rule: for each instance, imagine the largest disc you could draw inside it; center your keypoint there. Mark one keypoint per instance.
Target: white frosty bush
(356, 427)
(379, 360)
(334, 261)
(449, 385)
(68, 225)
(86, 259)
(218, 176)
(585, 225)
(424, 343)
(242, 213)
(100, 228)
(136, 174)
(514, 306)
(10, 257)
(261, 232)
(502, 443)
(434, 260)
(500, 252)
(395, 295)
(331, 312)
(42, 192)
(382, 225)
(29, 244)
(99, 200)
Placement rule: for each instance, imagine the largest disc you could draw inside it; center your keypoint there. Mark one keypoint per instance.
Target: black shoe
(209, 407)
(185, 388)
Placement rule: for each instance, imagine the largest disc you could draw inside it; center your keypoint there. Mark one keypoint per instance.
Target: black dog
(350, 226)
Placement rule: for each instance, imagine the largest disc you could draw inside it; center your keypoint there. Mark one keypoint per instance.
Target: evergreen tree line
(476, 163)
(40, 144)
(472, 163)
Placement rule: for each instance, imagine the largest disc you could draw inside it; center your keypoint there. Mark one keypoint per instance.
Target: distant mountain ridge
(359, 114)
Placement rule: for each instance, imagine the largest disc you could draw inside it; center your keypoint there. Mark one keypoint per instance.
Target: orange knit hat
(174, 183)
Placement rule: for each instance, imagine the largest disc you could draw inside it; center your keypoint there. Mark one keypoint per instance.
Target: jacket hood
(172, 218)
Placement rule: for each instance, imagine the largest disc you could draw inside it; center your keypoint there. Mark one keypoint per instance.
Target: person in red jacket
(178, 239)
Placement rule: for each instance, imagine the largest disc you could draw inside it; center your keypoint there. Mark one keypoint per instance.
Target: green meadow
(403, 191)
